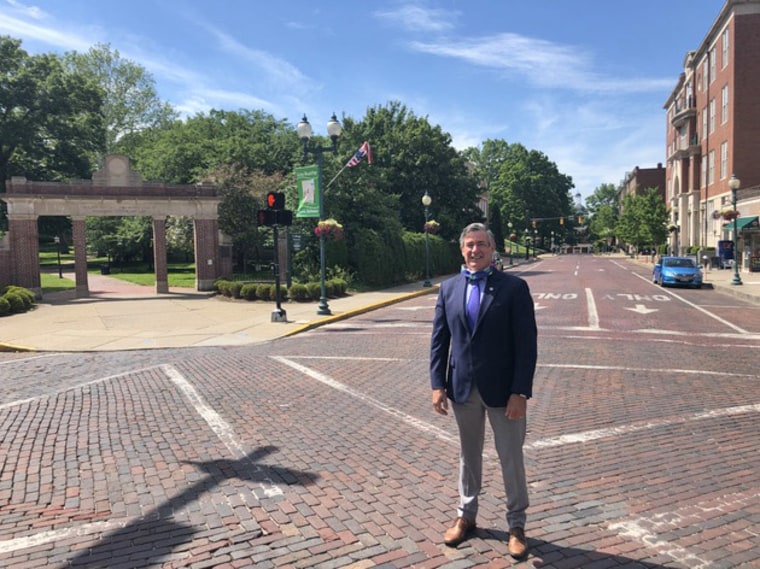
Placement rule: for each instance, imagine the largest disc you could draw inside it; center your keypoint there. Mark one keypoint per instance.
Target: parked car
(677, 271)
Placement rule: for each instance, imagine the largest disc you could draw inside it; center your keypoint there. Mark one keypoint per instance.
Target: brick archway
(115, 190)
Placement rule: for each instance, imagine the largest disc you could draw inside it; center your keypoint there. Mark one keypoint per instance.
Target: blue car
(681, 271)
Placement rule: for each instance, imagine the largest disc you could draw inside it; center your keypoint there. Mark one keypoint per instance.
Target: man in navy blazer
(482, 358)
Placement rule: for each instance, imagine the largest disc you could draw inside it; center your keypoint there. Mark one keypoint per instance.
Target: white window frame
(723, 160)
(712, 116)
(724, 59)
(711, 168)
(724, 105)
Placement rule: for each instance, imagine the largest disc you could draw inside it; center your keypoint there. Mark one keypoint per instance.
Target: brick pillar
(25, 252)
(159, 255)
(80, 257)
(206, 253)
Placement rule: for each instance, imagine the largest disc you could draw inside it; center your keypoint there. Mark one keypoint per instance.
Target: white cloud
(48, 35)
(544, 64)
(417, 18)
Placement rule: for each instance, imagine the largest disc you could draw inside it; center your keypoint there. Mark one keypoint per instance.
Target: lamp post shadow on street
(334, 130)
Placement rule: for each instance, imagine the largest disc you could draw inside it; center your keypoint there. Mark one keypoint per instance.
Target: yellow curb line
(12, 348)
(362, 310)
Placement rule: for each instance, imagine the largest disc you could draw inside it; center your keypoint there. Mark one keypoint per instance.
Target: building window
(724, 104)
(705, 74)
(703, 174)
(711, 168)
(704, 123)
(712, 64)
(723, 159)
(724, 59)
(712, 116)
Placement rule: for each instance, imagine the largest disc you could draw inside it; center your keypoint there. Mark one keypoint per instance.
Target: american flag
(364, 150)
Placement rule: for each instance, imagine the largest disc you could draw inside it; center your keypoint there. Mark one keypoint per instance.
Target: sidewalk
(122, 316)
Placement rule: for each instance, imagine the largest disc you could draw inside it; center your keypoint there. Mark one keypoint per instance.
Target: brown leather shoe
(458, 532)
(518, 544)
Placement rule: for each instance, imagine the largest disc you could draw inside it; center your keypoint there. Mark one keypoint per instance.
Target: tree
(643, 220)
(130, 102)
(524, 185)
(50, 124)
(604, 207)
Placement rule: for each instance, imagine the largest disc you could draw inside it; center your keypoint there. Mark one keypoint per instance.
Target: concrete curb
(362, 310)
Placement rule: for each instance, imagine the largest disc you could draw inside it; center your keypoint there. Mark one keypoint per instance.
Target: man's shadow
(153, 538)
(550, 555)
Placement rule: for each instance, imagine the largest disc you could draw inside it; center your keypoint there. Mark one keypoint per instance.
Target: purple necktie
(473, 305)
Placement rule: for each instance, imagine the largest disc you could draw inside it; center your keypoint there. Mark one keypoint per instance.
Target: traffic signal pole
(278, 314)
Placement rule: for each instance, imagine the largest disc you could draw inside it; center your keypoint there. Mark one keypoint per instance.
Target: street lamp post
(334, 130)
(535, 242)
(552, 243)
(57, 241)
(426, 201)
(511, 243)
(734, 184)
(527, 245)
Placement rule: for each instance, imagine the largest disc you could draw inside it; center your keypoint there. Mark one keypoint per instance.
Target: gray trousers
(509, 436)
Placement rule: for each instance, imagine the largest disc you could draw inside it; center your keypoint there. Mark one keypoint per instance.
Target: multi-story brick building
(713, 132)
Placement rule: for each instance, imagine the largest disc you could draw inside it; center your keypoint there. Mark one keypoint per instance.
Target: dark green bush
(235, 289)
(16, 302)
(264, 291)
(5, 306)
(299, 292)
(315, 290)
(248, 291)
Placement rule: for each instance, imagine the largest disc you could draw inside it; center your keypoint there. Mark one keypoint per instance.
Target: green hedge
(15, 300)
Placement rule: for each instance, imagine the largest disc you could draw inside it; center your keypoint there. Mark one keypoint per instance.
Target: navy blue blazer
(499, 355)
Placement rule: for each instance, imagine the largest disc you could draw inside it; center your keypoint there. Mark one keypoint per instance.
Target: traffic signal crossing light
(276, 200)
(275, 213)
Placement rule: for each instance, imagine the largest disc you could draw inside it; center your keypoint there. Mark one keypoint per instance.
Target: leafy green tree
(524, 185)
(604, 207)
(411, 156)
(50, 124)
(186, 151)
(643, 220)
(130, 101)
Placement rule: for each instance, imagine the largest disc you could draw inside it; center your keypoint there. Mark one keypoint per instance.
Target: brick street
(322, 450)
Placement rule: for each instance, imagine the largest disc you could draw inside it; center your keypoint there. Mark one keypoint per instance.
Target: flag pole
(336, 176)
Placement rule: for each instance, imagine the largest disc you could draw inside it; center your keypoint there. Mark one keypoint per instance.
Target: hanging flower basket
(730, 215)
(330, 229)
(432, 227)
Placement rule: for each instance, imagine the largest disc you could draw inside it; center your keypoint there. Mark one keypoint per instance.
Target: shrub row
(15, 299)
(298, 292)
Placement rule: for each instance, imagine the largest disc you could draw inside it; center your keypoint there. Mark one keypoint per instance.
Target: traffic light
(562, 221)
(276, 200)
(534, 223)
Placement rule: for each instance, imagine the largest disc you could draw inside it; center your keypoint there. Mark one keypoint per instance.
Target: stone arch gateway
(115, 190)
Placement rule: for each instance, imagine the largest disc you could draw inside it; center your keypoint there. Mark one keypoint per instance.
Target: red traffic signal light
(276, 200)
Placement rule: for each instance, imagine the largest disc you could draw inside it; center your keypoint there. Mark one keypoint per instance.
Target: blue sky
(582, 81)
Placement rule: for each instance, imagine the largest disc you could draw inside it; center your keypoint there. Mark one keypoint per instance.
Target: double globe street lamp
(426, 201)
(734, 184)
(334, 130)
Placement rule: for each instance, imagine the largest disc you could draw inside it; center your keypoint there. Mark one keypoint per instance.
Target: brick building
(713, 131)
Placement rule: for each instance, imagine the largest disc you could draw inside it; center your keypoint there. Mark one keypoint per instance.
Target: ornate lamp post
(511, 243)
(527, 244)
(734, 184)
(57, 241)
(334, 130)
(426, 201)
(535, 241)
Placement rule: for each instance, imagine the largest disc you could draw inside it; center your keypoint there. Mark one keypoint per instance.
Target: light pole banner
(309, 192)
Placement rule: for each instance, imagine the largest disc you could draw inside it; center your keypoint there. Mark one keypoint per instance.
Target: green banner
(309, 192)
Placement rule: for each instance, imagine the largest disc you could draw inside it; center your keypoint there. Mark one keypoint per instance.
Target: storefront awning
(750, 222)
